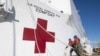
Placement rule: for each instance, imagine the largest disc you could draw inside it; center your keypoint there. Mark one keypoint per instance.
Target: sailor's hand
(66, 46)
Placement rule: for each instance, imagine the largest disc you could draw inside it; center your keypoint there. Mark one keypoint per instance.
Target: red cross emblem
(39, 35)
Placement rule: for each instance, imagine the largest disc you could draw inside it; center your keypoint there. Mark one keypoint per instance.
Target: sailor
(78, 45)
(76, 40)
(72, 44)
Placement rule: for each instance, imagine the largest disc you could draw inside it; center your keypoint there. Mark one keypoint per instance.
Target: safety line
(34, 30)
(41, 27)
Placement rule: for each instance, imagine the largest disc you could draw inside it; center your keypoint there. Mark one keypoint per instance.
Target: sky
(89, 11)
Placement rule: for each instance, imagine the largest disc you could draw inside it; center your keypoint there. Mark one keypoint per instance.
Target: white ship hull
(16, 37)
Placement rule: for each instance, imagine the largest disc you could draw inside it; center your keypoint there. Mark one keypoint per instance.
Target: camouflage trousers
(80, 49)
